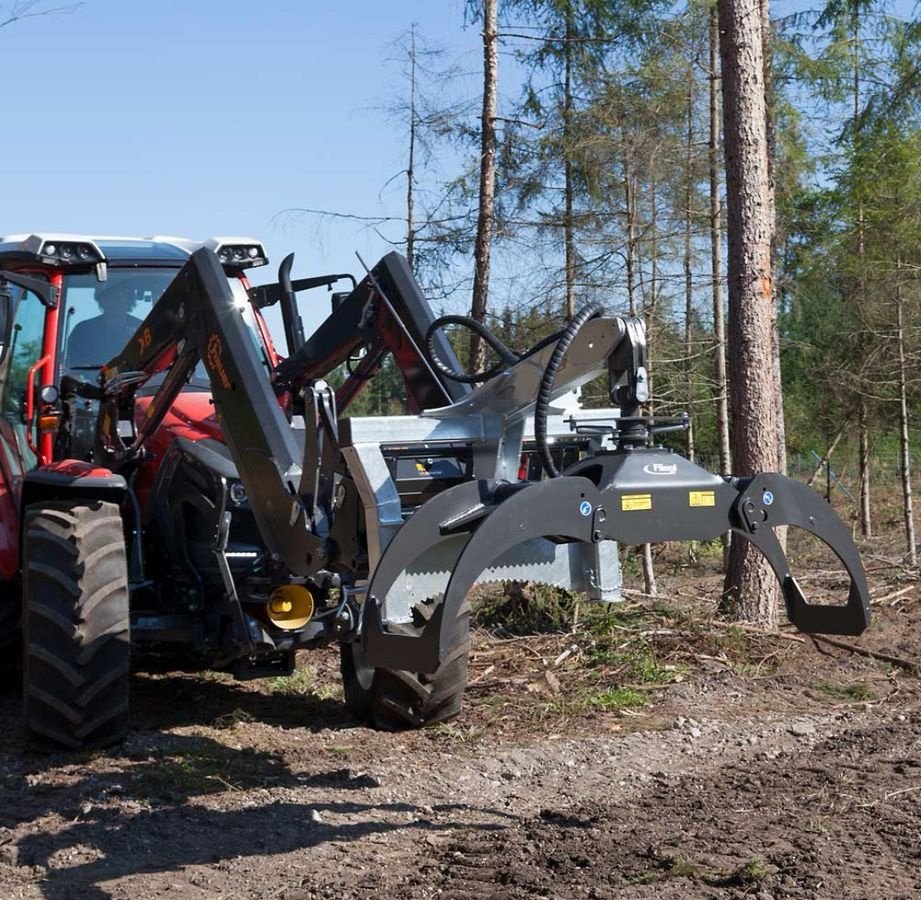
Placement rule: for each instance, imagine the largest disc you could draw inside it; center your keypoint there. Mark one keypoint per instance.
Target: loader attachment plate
(630, 497)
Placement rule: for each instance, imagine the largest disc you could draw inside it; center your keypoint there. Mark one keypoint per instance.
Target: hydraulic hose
(542, 405)
(506, 357)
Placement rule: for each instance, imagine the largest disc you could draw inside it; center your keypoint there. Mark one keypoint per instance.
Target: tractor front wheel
(394, 700)
(76, 640)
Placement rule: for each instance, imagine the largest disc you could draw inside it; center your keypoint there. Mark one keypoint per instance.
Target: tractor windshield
(100, 316)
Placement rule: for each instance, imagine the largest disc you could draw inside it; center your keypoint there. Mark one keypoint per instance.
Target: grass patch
(193, 770)
(614, 698)
(671, 867)
(599, 700)
(457, 734)
(304, 682)
(750, 873)
(299, 683)
(524, 608)
(637, 663)
(852, 693)
(204, 766)
(731, 640)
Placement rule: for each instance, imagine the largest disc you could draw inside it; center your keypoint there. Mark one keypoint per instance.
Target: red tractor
(186, 494)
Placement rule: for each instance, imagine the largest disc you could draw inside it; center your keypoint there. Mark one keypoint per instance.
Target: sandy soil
(642, 754)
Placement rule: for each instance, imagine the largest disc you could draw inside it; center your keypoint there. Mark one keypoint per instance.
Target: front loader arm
(385, 313)
(199, 318)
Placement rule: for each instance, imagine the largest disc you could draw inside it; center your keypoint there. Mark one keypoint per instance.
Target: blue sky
(210, 117)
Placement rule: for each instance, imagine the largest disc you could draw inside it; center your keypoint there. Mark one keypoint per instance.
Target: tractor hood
(192, 416)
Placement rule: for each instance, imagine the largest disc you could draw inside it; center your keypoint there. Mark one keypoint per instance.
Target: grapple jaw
(632, 497)
(768, 501)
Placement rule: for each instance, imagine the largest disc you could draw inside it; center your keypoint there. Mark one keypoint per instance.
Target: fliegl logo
(661, 469)
(216, 362)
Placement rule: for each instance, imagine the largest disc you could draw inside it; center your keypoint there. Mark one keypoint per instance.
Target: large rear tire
(76, 636)
(394, 700)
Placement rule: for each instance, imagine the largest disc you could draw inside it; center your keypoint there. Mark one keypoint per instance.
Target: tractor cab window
(24, 351)
(100, 316)
(98, 319)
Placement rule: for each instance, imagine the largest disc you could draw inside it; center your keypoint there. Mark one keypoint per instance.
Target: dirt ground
(646, 751)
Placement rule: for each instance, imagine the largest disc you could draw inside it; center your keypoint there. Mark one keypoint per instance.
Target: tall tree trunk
(688, 269)
(630, 200)
(569, 190)
(486, 216)
(769, 101)
(753, 389)
(410, 165)
(866, 525)
(716, 261)
(649, 313)
(866, 522)
(904, 445)
(721, 385)
(649, 578)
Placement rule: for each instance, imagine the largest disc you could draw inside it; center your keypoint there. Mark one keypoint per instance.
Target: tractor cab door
(23, 303)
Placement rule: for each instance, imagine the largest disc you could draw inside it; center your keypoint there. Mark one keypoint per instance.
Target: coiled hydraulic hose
(542, 406)
(508, 357)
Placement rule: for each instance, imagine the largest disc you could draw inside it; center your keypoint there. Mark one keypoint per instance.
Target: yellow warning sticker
(701, 498)
(635, 502)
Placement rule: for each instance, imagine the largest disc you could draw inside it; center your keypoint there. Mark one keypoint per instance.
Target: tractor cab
(97, 291)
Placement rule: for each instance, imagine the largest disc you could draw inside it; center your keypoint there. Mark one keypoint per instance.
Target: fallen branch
(907, 664)
(890, 795)
(487, 671)
(894, 595)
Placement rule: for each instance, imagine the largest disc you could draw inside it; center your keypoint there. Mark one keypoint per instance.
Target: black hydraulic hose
(506, 357)
(542, 406)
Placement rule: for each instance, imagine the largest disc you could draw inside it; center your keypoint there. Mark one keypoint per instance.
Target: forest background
(609, 185)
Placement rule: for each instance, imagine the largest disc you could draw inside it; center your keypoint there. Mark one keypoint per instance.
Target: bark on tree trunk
(485, 218)
(769, 99)
(753, 390)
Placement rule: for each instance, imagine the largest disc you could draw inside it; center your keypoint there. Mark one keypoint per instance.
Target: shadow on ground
(163, 802)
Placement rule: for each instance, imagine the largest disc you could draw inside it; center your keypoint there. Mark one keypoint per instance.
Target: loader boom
(198, 318)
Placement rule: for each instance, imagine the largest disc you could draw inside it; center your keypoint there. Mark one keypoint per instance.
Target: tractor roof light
(243, 254)
(74, 253)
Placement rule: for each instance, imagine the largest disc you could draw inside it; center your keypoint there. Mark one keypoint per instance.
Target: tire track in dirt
(838, 816)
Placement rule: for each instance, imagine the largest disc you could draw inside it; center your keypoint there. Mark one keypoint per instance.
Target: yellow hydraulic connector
(290, 606)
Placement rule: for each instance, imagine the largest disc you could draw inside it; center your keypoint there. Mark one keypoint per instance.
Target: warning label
(635, 502)
(701, 498)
